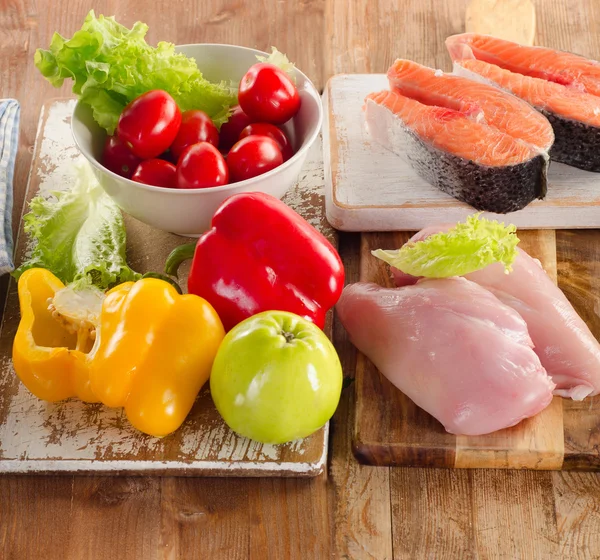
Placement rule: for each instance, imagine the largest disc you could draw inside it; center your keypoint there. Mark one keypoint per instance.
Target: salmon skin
(563, 86)
(473, 141)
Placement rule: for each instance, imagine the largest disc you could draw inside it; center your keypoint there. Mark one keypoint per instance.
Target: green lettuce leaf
(465, 248)
(111, 65)
(77, 234)
(280, 60)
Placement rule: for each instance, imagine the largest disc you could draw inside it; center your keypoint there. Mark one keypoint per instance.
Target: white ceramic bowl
(189, 212)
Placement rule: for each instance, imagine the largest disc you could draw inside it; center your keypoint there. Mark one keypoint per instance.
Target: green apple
(276, 378)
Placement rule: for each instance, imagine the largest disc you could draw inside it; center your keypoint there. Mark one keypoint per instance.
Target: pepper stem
(177, 256)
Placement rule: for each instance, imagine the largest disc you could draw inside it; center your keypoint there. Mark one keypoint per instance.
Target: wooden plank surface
(99, 517)
(362, 512)
(513, 20)
(75, 437)
(366, 37)
(389, 428)
(361, 495)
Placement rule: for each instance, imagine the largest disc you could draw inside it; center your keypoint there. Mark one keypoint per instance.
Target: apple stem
(288, 336)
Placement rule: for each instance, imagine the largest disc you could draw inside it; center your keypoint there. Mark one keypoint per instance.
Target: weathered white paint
(74, 437)
(369, 188)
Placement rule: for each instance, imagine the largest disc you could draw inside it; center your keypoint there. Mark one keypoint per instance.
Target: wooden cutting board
(369, 188)
(74, 437)
(390, 429)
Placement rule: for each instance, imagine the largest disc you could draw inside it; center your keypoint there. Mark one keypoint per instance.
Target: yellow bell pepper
(153, 353)
(153, 349)
(49, 357)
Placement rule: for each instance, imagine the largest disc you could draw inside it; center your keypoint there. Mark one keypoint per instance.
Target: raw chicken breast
(453, 348)
(562, 340)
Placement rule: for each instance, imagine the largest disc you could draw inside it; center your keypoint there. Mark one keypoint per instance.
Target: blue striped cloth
(10, 111)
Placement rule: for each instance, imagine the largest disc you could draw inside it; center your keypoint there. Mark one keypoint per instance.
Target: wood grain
(474, 516)
(128, 507)
(40, 510)
(537, 442)
(509, 508)
(361, 495)
(568, 24)
(74, 437)
(233, 520)
(433, 511)
(579, 278)
(42, 504)
(389, 429)
(577, 506)
(513, 20)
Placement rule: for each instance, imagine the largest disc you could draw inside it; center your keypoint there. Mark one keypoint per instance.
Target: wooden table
(352, 511)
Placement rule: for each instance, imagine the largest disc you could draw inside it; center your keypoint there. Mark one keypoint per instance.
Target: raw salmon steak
(453, 348)
(564, 87)
(483, 146)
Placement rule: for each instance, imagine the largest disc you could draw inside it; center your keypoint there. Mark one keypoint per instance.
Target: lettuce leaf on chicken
(467, 247)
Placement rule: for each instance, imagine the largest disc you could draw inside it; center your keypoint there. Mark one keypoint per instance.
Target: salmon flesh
(564, 87)
(483, 146)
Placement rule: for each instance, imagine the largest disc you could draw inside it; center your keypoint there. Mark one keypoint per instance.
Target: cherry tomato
(118, 157)
(252, 156)
(272, 131)
(196, 126)
(201, 165)
(267, 94)
(157, 172)
(149, 124)
(230, 131)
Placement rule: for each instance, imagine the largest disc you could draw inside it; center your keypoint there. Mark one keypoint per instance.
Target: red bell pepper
(261, 255)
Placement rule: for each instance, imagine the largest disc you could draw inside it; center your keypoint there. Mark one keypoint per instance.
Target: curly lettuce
(281, 61)
(111, 65)
(465, 248)
(79, 235)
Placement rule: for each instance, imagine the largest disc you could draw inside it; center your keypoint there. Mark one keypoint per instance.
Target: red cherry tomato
(272, 131)
(149, 124)
(267, 94)
(157, 172)
(252, 156)
(196, 126)
(118, 157)
(201, 165)
(230, 131)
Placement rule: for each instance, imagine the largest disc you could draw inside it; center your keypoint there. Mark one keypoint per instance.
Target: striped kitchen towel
(9, 139)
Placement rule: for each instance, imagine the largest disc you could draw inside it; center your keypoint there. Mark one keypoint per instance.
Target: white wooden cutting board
(369, 188)
(74, 437)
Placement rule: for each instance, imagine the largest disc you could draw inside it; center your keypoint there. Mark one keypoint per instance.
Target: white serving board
(71, 437)
(369, 188)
